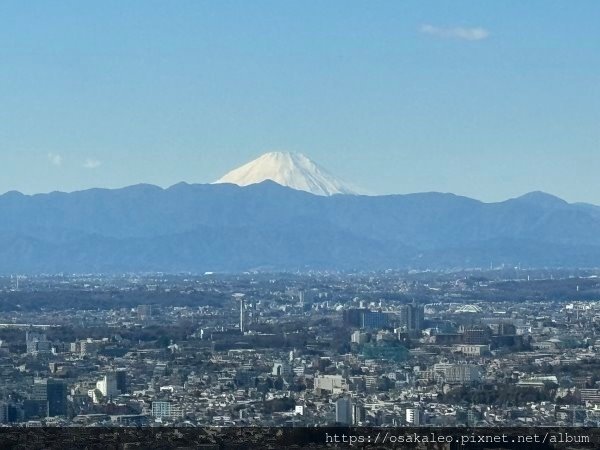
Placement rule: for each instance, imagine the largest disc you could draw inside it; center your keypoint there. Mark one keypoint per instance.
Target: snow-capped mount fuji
(293, 170)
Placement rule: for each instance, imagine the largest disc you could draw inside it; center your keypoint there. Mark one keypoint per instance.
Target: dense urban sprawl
(477, 348)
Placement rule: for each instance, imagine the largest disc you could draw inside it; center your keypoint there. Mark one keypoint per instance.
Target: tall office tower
(57, 398)
(108, 385)
(353, 316)
(121, 377)
(242, 303)
(240, 298)
(53, 393)
(343, 411)
(411, 317)
(40, 390)
(359, 414)
(242, 312)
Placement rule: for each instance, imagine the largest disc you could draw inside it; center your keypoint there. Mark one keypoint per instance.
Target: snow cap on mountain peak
(293, 170)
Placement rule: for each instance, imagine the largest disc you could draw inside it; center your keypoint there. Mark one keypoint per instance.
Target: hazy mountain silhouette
(224, 227)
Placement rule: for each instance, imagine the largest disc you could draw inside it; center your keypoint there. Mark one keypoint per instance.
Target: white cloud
(467, 34)
(91, 163)
(55, 159)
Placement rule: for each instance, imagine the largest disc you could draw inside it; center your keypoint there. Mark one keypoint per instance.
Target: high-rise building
(359, 414)
(3, 412)
(36, 342)
(411, 318)
(57, 398)
(39, 390)
(353, 316)
(34, 409)
(365, 318)
(108, 385)
(413, 416)
(242, 314)
(52, 393)
(121, 377)
(343, 411)
(240, 298)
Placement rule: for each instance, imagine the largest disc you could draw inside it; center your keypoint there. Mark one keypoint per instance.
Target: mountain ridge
(139, 186)
(224, 227)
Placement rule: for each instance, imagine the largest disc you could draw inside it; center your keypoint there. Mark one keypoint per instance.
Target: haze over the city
(484, 100)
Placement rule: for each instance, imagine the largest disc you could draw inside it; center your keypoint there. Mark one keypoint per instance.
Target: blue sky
(485, 99)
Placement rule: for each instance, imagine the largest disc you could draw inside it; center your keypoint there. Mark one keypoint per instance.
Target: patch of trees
(278, 405)
(64, 299)
(499, 395)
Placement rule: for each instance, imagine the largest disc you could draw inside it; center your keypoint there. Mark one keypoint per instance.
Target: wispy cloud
(91, 163)
(467, 34)
(55, 159)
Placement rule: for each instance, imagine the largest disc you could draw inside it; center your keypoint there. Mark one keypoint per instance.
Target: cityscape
(299, 224)
(480, 348)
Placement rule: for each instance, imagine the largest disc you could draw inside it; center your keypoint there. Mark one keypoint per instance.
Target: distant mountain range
(224, 227)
